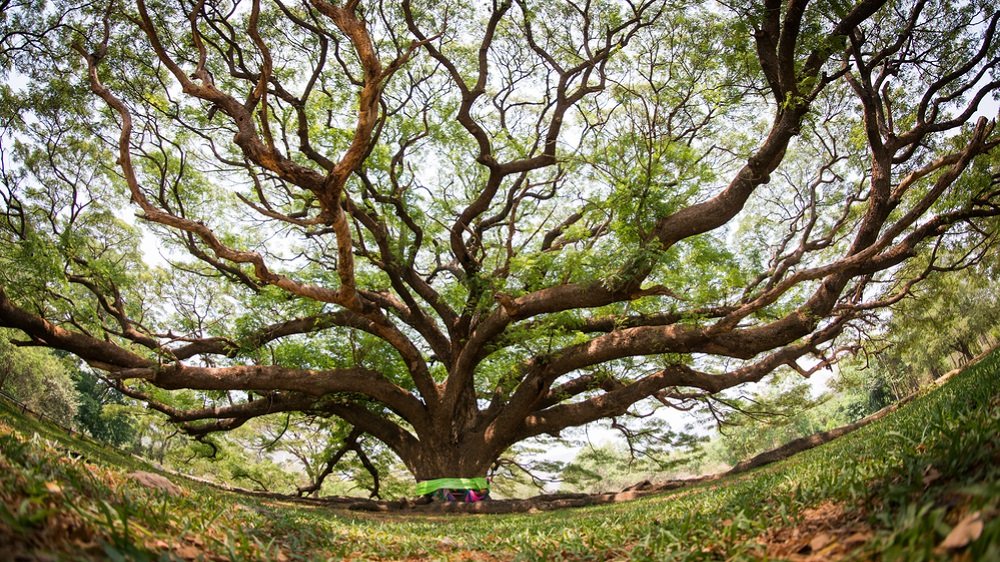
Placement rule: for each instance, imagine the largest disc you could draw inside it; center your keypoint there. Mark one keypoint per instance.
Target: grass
(889, 491)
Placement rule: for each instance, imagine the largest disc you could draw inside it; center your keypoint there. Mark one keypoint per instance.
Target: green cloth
(428, 486)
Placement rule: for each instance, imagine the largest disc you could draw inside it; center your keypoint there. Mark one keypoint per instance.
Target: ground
(919, 484)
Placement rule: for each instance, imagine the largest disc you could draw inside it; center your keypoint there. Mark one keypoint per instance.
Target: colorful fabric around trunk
(430, 486)
(460, 495)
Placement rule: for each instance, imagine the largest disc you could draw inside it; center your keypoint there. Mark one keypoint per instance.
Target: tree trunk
(470, 457)
(963, 347)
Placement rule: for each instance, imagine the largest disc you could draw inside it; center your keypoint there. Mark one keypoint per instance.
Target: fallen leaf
(819, 541)
(84, 545)
(967, 530)
(53, 487)
(187, 552)
(858, 538)
(447, 542)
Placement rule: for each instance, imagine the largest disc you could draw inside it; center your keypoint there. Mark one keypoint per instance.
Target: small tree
(457, 226)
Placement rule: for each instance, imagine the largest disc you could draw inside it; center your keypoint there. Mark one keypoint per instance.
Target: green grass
(889, 491)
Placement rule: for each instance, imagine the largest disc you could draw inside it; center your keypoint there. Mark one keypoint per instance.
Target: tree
(454, 227)
(944, 324)
(39, 380)
(297, 438)
(952, 319)
(778, 415)
(100, 413)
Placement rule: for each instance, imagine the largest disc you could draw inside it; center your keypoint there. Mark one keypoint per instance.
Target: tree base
(465, 490)
(460, 495)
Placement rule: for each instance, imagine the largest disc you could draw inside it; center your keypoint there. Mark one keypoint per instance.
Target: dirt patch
(829, 531)
(190, 547)
(34, 525)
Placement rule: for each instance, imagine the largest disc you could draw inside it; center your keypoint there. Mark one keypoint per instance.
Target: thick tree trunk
(469, 458)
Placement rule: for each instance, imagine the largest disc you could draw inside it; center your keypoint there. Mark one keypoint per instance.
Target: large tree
(455, 225)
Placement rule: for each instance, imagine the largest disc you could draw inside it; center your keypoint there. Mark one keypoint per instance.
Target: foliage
(306, 447)
(229, 464)
(102, 410)
(644, 448)
(948, 321)
(39, 380)
(952, 319)
(747, 436)
(612, 467)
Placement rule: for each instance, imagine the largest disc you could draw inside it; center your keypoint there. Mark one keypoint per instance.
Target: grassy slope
(891, 490)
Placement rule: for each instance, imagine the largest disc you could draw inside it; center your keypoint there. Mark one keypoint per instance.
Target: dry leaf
(967, 530)
(53, 487)
(447, 542)
(858, 538)
(187, 552)
(819, 541)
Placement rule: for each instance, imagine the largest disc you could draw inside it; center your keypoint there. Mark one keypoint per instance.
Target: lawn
(920, 484)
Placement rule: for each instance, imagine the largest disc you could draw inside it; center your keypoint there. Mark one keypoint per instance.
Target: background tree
(455, 227)
(611, 467)
(39, 380)
(952, 319)
(102, 410)
(949, 320)
(319, 447)
(776, 415)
